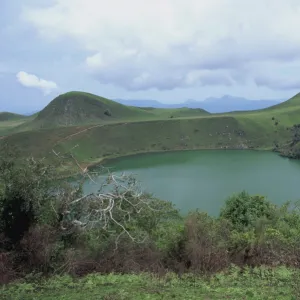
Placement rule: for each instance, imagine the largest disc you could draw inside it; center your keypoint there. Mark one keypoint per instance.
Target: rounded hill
(78, 108)
(7, 116)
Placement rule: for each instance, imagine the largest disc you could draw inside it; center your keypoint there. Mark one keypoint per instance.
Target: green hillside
(293, 102)
(80, 119)
(10, 121)
(7, 116)
(164, 113)
(77, 108)
(119, 139)
(80, 109)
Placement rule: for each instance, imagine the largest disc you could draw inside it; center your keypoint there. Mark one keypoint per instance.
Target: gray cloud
(278, 83)
(177, 44)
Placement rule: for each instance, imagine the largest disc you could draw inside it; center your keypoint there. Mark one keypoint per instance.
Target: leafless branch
(117, 203)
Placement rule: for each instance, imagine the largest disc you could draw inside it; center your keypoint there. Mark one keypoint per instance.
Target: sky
(167, 50)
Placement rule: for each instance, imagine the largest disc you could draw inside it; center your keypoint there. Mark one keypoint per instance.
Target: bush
(24, 191)
(7, 268)
(243, 211)
(205, 246)
(107, 112)
(29, 195)
(42, 248)
(201, 247)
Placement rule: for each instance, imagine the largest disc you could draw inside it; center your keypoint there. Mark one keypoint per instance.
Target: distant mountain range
(31, 113)
(226, 103)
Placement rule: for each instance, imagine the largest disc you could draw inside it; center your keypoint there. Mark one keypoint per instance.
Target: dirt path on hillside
(84, 130)
(76, 133)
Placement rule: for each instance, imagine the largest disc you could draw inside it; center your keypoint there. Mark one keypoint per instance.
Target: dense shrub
(244, 210)
(42, 248)
(24, 191)
(107, 112)
(261, 233)
(205, 243)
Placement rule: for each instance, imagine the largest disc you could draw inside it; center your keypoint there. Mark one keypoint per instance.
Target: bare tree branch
(119, 200)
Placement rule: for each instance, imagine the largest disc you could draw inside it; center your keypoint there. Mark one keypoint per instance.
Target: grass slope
(292, 102)
(164, 113)
(135, 130)
(10, 121)
(119, 139)
(77, 108)
(7, 116)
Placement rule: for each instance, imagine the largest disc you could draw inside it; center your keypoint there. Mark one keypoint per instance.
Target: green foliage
(149, 222)
(244, 211)
(24, 191)
(160, 214)
(234, 283)
(107, 112)
(168, 234)
(30, 194)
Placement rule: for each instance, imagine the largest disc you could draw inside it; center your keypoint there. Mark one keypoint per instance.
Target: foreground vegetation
(257, 283)
(121, 242)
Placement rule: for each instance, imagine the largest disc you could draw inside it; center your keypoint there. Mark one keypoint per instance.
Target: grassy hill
(7, 116)
(293, 102)
(80, 119)
(111, 140)
(9, 121)
(77, 108)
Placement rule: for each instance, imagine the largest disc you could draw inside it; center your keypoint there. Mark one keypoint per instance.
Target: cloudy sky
(169, 50)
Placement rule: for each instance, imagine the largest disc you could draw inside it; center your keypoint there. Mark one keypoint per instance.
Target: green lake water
(204, 179)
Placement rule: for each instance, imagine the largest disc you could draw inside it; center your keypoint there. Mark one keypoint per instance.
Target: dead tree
(114, 209)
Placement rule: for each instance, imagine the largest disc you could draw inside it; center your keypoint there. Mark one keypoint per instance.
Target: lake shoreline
(205, 178)
(105, 160)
